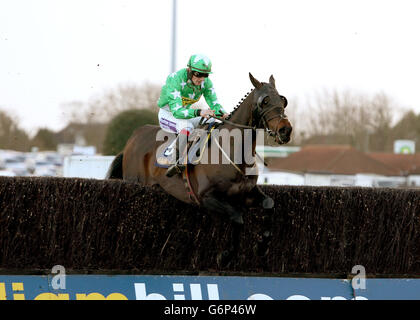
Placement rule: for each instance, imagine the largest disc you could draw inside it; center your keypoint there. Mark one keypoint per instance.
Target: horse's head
(268, 112)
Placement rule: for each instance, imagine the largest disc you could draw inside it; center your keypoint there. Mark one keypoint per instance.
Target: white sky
(50, 50)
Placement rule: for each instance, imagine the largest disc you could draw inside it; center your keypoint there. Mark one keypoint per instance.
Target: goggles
(200, 74)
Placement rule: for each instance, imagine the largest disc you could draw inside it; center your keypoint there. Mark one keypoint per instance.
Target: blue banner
(144, 287)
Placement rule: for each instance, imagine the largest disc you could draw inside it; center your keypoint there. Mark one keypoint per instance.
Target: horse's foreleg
(263, 242)
(215, 205)
(258, 197)
(226, 256)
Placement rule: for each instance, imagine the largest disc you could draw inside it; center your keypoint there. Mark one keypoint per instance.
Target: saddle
(198, 141)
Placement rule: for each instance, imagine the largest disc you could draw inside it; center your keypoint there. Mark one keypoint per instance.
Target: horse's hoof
(268, 203)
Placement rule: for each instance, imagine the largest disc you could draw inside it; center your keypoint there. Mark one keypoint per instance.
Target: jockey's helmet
(199, 63)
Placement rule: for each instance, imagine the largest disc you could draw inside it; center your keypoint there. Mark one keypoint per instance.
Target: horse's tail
(115, 170)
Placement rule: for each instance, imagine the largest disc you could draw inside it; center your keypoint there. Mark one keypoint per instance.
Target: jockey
(181, 90)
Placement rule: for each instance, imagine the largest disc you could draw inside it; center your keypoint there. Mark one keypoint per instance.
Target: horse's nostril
(285, 131)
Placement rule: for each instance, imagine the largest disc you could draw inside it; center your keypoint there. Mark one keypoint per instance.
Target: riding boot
(180, 152)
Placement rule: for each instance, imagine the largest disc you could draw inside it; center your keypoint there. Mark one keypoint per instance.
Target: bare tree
(11, 136)
(125, 97)
(104, 106)
(351, 117)
(382, 116)
(73, 112)
(91, 117)
(408, 127)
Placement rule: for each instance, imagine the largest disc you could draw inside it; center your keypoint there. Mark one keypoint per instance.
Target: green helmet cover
(200, 63)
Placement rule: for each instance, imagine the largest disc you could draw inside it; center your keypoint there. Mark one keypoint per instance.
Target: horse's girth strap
(187, 182)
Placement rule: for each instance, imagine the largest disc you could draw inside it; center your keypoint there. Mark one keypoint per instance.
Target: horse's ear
(255, 82)
(272, 81)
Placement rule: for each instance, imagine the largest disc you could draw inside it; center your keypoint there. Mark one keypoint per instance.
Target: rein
(254, 128)
(259, 114)
(234, 124)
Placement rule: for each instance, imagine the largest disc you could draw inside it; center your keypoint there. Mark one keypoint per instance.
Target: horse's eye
(265, 100)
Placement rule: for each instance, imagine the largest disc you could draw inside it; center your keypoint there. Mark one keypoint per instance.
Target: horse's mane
(239, 104)
(233, 111)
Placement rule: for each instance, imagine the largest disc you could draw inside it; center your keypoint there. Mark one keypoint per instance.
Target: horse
(222, 188)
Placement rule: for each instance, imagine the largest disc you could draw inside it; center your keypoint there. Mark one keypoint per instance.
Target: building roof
(332, 159)
(405, 163)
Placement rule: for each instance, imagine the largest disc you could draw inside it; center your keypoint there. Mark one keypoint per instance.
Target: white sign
(404, 146)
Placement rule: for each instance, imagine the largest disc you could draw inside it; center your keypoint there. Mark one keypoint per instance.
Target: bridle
(259, 114)
(258, 117)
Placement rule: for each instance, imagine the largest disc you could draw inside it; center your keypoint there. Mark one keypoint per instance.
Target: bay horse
(222, 188)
